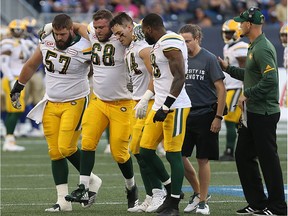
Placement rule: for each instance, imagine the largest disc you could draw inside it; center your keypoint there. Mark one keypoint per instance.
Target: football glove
(142, 105)
(138, 33)
(160, 115)
(15, 95)
(45, 31)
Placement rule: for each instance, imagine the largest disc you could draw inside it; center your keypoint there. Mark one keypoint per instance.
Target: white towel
(244, 115)
(36, 113)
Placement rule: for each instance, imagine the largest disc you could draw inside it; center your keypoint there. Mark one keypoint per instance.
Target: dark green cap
(252, 15)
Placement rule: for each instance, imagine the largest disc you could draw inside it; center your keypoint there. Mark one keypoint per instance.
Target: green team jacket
(260, 77)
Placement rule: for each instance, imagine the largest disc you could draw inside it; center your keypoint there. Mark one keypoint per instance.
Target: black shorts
(198, 134)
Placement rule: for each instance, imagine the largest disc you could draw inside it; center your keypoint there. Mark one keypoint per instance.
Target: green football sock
(177, 171)
(75, 159)
(150, 181)
(60, 171)
(231, 134)
(87, 162)
(11, 121)
(155, 163)
(127, 169)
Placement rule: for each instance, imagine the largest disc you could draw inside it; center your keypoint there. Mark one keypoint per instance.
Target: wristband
(18, 87)
(170, 99)
(148, 95)
(218, 117)
(21, 83)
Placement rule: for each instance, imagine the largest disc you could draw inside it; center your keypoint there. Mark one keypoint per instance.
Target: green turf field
(27, 186)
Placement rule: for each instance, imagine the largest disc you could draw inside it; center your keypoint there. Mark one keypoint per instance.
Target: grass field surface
(27, 186)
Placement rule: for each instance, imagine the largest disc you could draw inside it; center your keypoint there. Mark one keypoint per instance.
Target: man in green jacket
(260, 115)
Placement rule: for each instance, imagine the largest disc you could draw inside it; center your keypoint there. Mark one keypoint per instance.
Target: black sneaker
(166, 204)
(169, 212)
(79, 195)
(265, 211)
(226, 158)
(182, 195)
(92, 198)
(248, 210)
(227, 155)
(132, 197)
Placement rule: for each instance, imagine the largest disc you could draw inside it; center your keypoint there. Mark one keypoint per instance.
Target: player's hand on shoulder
(223, 64)
(137, 32)
(45, 31)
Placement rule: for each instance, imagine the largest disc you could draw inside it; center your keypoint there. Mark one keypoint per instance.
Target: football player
(234, 52)
(167, 118)
(137, 57)
(111, 105)
(66, 57)
(14, 53)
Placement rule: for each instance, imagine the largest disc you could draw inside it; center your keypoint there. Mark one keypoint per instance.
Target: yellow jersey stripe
(9, 42)
(172, 37)
(170, 49)
(268, 70)
(87, 51)
(242, 47)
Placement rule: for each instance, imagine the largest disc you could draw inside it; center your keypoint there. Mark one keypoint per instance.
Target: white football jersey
(110, 74)
(139, 74)
(66, 70)
(162, 76)
(238, 49)
(21, 50)
(285, 62)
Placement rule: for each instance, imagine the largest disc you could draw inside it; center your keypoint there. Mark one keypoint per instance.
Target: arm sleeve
(269, 80)
(235, 72)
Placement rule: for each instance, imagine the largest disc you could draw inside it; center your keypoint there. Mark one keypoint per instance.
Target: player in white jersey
(283, 37)
(167, 119)
(235, 52)
(137, 57)
(14, 53)
(66, 57)
(111, 105)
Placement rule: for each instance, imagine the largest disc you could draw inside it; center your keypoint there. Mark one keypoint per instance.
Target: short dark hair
(153, 20)
(103, 14)
(62, 21)
(195, 30)
(121, 19)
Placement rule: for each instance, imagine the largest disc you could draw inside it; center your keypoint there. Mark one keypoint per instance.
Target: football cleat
(158, 198)
(144, 205)
(79, 195)
(169, 212)
(57, 207)
(132, 197)
(90, 201)
(10, 144)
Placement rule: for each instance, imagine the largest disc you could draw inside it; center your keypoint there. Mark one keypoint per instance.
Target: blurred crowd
(205, 13)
